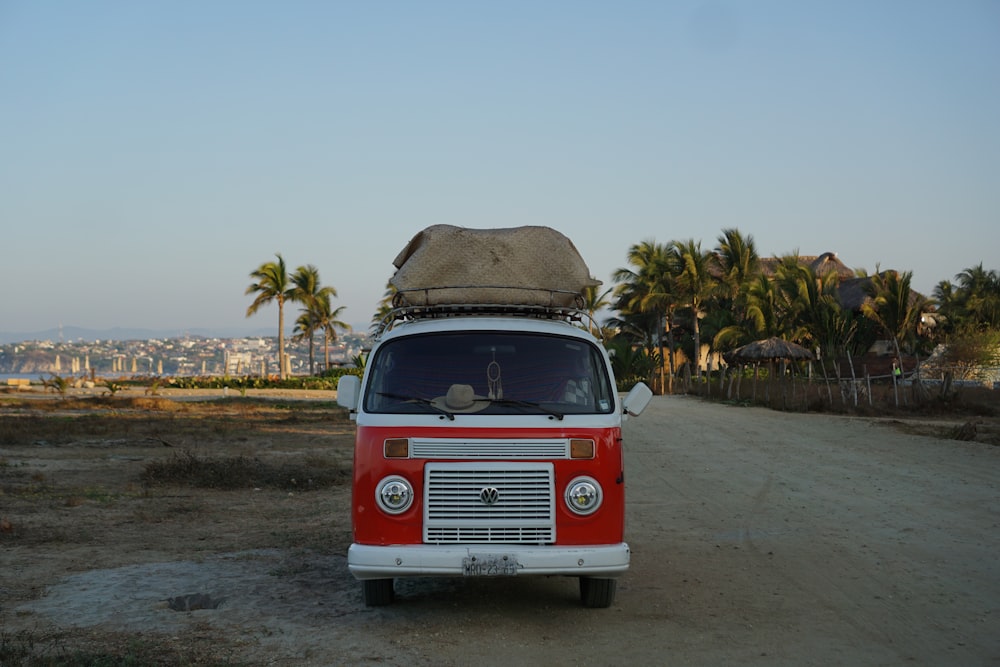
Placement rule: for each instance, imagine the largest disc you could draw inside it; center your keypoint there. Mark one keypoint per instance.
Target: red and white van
(489, 443)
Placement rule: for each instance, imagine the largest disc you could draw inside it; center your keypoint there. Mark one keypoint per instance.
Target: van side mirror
(636, 400)
(348, 392)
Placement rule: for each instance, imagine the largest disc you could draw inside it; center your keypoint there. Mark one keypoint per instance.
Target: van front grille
(489, 503)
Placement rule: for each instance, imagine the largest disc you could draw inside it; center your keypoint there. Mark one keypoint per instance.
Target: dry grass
(243, 472)
(125, 479)
(53, 648)
(198, 437)
(118, 420)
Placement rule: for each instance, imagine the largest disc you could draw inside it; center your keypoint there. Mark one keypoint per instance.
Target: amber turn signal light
(397, 448)
(581, 449)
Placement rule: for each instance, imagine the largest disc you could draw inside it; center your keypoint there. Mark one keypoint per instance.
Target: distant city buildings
(189, 356)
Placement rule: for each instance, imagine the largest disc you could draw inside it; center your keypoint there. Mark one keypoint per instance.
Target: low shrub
(327, 381)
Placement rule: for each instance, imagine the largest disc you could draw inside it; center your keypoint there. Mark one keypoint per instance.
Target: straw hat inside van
(460, 398)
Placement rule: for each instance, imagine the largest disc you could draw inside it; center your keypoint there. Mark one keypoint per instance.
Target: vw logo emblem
(489, 495)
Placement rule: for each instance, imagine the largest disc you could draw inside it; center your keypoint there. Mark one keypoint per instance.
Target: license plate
(490, 565)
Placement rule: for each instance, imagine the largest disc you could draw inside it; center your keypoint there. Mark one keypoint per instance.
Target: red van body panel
(372, 526)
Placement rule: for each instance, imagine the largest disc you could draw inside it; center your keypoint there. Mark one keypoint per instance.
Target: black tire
(597, 593)
(378, 592)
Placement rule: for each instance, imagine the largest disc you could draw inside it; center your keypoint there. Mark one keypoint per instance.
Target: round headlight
(583, 495)
(394, 495)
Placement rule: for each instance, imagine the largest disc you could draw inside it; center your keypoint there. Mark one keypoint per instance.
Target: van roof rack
(449, 295)
(405, 310)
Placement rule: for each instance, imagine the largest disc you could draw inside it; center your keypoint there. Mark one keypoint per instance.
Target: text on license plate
(489, 565)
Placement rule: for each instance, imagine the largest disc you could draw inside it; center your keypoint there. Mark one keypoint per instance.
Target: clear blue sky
(152, 154)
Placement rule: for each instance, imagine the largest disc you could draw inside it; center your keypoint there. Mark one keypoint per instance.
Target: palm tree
(948, 299)
(327, 320)
(980, 291)
(594, 301)
(891, 306)
(311, 294)
(738, 265)
(645, 295)
(272, 284)
(812, 314)
(695, 286)
(631, 364)
(305, 329)
(738, 262)
(761, 318)
(384, 307)
(970, 322)
(764, 308)
(894, 307)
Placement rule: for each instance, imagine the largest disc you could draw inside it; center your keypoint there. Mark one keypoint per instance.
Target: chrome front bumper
(431, 560)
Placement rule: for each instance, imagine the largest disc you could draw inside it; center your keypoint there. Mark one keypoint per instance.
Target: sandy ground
(758, 537)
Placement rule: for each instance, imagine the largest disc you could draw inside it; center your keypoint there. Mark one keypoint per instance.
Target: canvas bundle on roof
(534, 266)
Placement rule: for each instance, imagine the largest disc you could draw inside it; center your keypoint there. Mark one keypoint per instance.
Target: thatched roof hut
(769, 349)
(821, 265)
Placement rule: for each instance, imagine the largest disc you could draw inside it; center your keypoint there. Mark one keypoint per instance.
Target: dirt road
(758, 537)
(804, 539)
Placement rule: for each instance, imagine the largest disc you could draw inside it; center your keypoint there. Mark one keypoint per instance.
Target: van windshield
(488, 372)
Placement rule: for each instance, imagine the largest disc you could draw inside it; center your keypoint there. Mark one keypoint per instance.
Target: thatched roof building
(769, 349)
(851, 290)
(821, 265)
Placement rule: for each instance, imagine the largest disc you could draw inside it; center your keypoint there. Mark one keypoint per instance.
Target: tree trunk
(854, 377)
(899, 362)
(312, 364)
(670, 347)
(697, 346)
(281, 338)
(660, 325)
(826, 379)
(840, 385)
(326, 348)
(868, 384)
(708, 379)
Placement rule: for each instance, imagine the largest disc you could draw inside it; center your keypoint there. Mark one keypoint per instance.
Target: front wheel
(378, 592)
(597, 593)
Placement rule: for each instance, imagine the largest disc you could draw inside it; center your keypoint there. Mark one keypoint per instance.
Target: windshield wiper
(418, 400)
(527, 404)
(497, 401)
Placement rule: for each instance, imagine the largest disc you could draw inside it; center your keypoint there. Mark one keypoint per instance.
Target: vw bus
(488, 444)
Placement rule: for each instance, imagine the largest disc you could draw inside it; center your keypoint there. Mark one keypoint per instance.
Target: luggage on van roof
(531, 265)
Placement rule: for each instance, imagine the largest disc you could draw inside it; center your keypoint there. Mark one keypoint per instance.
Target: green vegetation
(318, 313)
(384, 306)
(56, 383)
(112, 386)
(967, 322)
(326, 381)
(678, 302)
(273, 283)
(971, 304)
